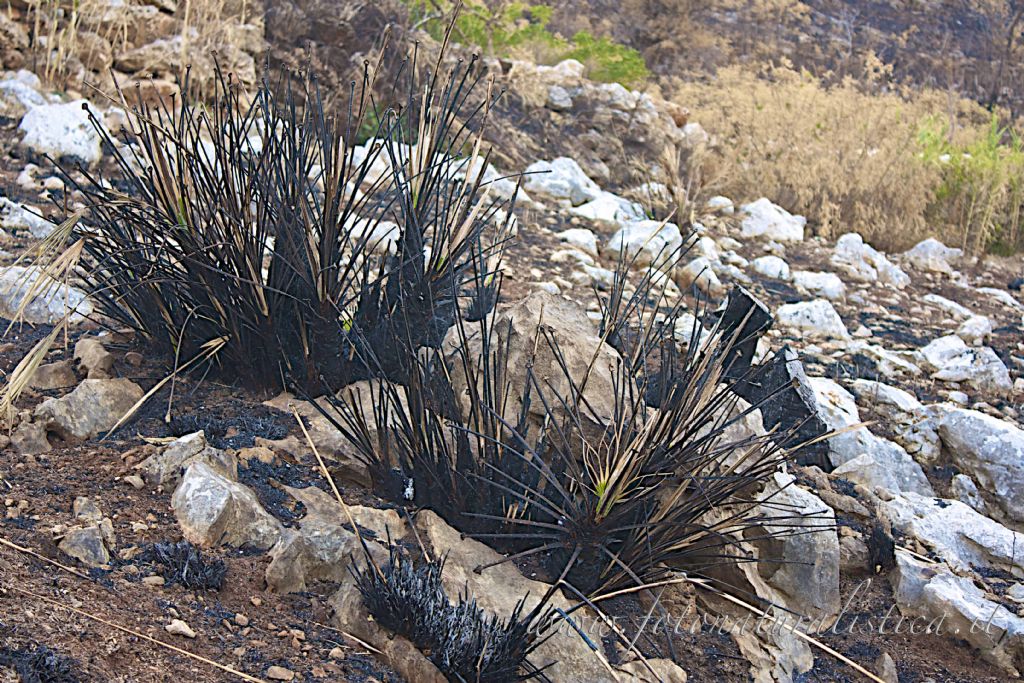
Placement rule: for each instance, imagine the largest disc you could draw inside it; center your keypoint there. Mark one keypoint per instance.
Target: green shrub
(608, 61)
(982, 186)
(520, 29)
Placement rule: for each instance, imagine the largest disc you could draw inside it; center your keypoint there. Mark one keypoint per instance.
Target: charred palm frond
(465, 642)
(319, 261)
(185, 564)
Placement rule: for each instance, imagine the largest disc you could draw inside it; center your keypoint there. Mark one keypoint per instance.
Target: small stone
(177, 627)
(213, 510)
(336, 653)
(699, 273)
(815, 318)
(768, 220)
(771, 267)
(85, 510)
(260, 453)
(827, 285)
(92, 408)
(153, 580)
(241, 619)
(720, 204)
(57, 375)
(885, 667)
(256, 601)
(558, 99)
(30, 439)
(93, 357)
(86, 546)
(279, 673)
(135, 481)
(63, 129)
(580, 238)
(133, 358)
(958, 397)
(40, 298)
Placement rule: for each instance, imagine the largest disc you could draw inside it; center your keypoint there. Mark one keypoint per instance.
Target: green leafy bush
(982, 187)
(520, 29)
(607, 60)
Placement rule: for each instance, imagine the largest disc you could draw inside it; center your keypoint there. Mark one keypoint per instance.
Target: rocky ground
(917, 359)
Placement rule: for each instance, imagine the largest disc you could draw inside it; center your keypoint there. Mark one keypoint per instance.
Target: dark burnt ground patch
(268, 480)
(36, 663)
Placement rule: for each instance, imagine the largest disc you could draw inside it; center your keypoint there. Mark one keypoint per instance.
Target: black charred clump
(254, 234)
(239, 431)
(185, 564)
(601, 502)
(39, 664)
(465, 642)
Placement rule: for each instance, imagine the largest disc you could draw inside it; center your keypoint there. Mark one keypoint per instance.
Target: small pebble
(241, 619)
(135, 481)
(279, 673)
(177, 627)
(153, 580)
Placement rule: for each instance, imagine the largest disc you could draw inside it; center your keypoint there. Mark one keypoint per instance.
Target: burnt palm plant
(646, 491)
(463, 640)
(261, 224)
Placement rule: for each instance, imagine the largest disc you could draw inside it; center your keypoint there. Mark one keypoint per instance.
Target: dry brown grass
(58, 27)
(78, 40)
(850, 157)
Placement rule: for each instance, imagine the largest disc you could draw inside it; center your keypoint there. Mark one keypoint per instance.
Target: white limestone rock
(580, 238)
(955, 310)
(770, 221)
(863, 263)
(826, 285)
(885, 464)
(771, 266)
(975, 330)
(213, 510)
(720, 204)
(49, 301)
(814, 319)
(963, 538)
(63, 130)
(990, 450)
(561, 178)
(933, 256)
(699, 273)
(644, 243)
(14, 216)
(608, 207)
(961, 609)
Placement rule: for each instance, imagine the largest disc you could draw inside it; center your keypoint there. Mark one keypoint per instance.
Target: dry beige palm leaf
(22, 374)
